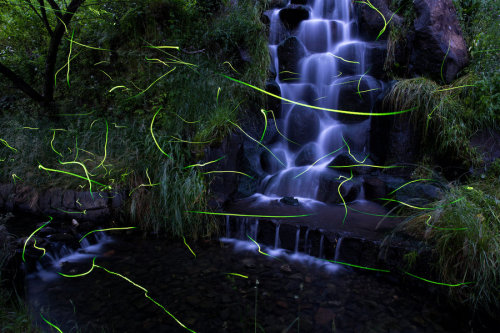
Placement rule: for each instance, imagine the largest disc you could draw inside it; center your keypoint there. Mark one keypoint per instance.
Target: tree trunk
(55, 42)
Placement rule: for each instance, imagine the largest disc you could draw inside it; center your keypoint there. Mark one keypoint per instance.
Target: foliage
(464, 229)
(438, 113)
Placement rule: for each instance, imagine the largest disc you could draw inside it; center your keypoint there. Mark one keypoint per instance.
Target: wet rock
(88, 201)
(303, 125)
(374, 188)
(68, 200)
(329, 187)
(290, 51)
(62, 237)
(438, 37)
(269, 163)
(298, 2)
(371, 22)
(358, 96)
(346, 159)
(290, 201)
(277, 3)
(375, 55)
(307, 155)
(273, 103)
(293, 15)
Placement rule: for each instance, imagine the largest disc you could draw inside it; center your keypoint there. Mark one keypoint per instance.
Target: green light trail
(357, 266)
(32, 234)
(248, 215)
(202, 165)
(73, 174)
(439, 283)
(52, 145)
(317, 107)
(413, 181)
(228, 171)
(261, 252)
(259, 143)
(333, 152)
(265, 124)
(48, 322)
(439, 228)
(131, 282)
(7, 145)
(185, 243)
(341, 197)
(240, 275)
(151, 129)
(107, 229)
(105, 147)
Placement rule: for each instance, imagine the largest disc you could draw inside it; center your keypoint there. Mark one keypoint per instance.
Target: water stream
(334, 73)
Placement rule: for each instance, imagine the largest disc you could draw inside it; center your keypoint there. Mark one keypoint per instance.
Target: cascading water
(332, 71)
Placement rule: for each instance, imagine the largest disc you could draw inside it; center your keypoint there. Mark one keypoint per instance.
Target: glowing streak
(131, 282)
(367, 2)
(90, 47)
(117, 126)
(317, 99)
(277, 129)
(217, 98)
(32, 234)
(48, 322)
(359, 83)
(105, 146)
(289, 72)
(364, 91)
(107, 229)
(342, 198)
(154, 82)
(116, 87)
(317, 107)
(452, 88)
(64, 66)
(240, 275)
(14, 177)
(106, 74)
(69, 54)
(68, 212)
(151, 129)
(430, 217)
(184, 120)
(371, 214)
(260, 251)
(31, 128)
(158, 60)
(363, 267)
(101, 62)
(7, 145)
(52, 146)
(86, 173)
(366, 165)
(413, 181)
(258, 143)
(228, 171)
(406, 204)
(442, 64)
(246, 215)
(352, 62)
(39, 248)
(438, 283)
(65, 27)
(163, 47)
(78, 202)
(349, 151)
(265, 124)
(194, 254)
(185, 141)
(333, 152)
(202, 165)
(227, 62)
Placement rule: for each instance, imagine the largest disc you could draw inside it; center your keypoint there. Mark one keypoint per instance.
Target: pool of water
(276, 292)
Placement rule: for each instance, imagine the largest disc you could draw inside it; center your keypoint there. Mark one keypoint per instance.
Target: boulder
(374, 188)
(371, 22)
(290, 51)
(358, 95)
(273, 103)
(293, 15)
(307, 155)
(328, 189)
(302, 125)
(439, 48)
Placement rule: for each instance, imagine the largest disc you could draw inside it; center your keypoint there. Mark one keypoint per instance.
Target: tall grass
(444, 123)
(465, 236)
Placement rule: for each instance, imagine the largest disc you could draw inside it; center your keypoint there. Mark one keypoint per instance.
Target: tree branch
(44, 17)
(21, 84)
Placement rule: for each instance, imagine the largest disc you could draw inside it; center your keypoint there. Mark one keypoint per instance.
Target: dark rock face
(290, 51)
(374, 188)
(371, 22)
(375, 55)
(358, 96)
(438, 37)
(293, 15)
(303, 125)
(329, 185)
(273, 103)
(277, 3)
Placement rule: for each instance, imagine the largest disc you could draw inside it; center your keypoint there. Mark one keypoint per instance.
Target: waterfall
(334, 73)
(297, 239)
(277, 237)
(337, 249)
